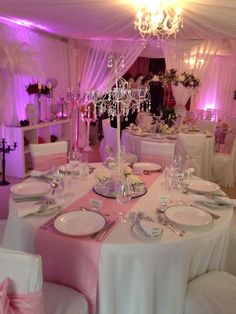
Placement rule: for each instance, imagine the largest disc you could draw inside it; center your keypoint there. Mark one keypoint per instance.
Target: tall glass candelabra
(119, 100)
(73, 99)
(5, 149)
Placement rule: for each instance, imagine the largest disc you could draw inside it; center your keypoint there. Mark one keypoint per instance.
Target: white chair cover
(144, 120)
(161, 153)
(59, 299)
(211, 293)
(191, 148)
(2, 230)
(25, 273)
(224, 168)
(230, 264)
(46, 155)
(23, 269)
(206, 125)
(110, 141)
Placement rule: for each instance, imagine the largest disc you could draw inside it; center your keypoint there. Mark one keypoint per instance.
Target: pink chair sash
(20, 303)
(43, 163)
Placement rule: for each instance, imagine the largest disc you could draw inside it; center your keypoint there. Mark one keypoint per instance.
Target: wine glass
(83, 166)
(73, 158)
(123, 196)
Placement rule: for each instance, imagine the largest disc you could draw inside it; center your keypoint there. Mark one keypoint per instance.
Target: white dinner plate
(79, 223)
(188, 215)
(150, 166)
(202, 186)
(31, 188)
(137, 133)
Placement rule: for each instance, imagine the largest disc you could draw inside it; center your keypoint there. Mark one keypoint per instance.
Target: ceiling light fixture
(158, 18)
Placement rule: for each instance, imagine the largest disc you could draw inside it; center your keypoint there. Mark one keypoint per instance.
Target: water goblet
(123, 196)
(73, 158)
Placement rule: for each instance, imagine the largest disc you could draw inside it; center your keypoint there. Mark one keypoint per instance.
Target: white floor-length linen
(139, 276)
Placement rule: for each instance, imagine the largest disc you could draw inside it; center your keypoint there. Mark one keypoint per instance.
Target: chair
(23, 289)
(224, 169)
(144, 120)
(230, 263)
(45, 156)
(211, 293)
(190, 148)
(109, 143)
(161, 153)
(206, 125)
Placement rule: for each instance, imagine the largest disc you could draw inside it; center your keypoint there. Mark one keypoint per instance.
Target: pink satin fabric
(74, 261)
(20, 304)
(164, 161)
(43, 163)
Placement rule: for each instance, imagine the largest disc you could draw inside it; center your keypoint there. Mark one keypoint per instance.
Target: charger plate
(80, 223)
(188, 215)
(112, 194)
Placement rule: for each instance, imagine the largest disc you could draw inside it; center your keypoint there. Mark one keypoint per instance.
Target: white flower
(101, 175)
(127, 170)
(181, 78)
(132, 179)
(155, 78)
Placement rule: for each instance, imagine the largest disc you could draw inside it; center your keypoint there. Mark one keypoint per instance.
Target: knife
(104, 232)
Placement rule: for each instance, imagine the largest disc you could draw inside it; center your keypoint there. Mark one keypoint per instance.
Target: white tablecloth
(141, 145)
(138, 276)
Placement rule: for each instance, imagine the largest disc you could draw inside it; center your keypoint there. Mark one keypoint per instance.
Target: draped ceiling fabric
(193, 56)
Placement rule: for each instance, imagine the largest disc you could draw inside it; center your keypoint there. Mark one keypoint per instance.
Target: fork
(169, 225)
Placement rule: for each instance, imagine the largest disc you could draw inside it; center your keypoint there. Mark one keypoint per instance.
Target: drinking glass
(123, 196)
(73, 158)
(59, 176)
(83, 166)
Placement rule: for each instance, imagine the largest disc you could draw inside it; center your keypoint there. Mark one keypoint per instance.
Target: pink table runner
(73, 261)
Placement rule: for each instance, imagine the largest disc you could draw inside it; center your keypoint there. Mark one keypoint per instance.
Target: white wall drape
(92, 67)
(46, 57)
(192, 56)
(218, 86)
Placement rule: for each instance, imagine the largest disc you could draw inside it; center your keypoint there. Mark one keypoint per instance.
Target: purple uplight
(24, 23)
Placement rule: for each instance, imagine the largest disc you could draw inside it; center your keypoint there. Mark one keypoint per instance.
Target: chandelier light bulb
(160, 19)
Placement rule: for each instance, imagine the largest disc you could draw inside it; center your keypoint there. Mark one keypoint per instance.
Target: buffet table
(136, 274)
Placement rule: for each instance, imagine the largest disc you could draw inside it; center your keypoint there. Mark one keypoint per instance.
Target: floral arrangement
(168, 115)
(38, 89)
(171, 77)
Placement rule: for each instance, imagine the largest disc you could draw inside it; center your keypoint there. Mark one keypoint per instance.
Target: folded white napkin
(218, 200)
(29, 208)
(151, 228)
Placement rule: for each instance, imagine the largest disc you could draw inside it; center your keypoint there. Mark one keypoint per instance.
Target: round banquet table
(148, 147)
(137, 275)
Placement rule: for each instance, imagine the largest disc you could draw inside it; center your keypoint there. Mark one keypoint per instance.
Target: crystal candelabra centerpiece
(119, 100)
(5, 149)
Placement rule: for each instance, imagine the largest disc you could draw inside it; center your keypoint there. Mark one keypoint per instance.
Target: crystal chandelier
(158, 18)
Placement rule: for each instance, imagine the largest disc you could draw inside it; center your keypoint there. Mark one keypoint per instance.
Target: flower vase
(39, 109)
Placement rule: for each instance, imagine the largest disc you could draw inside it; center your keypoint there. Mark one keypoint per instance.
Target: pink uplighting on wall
(209, 106)
(24, 23)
